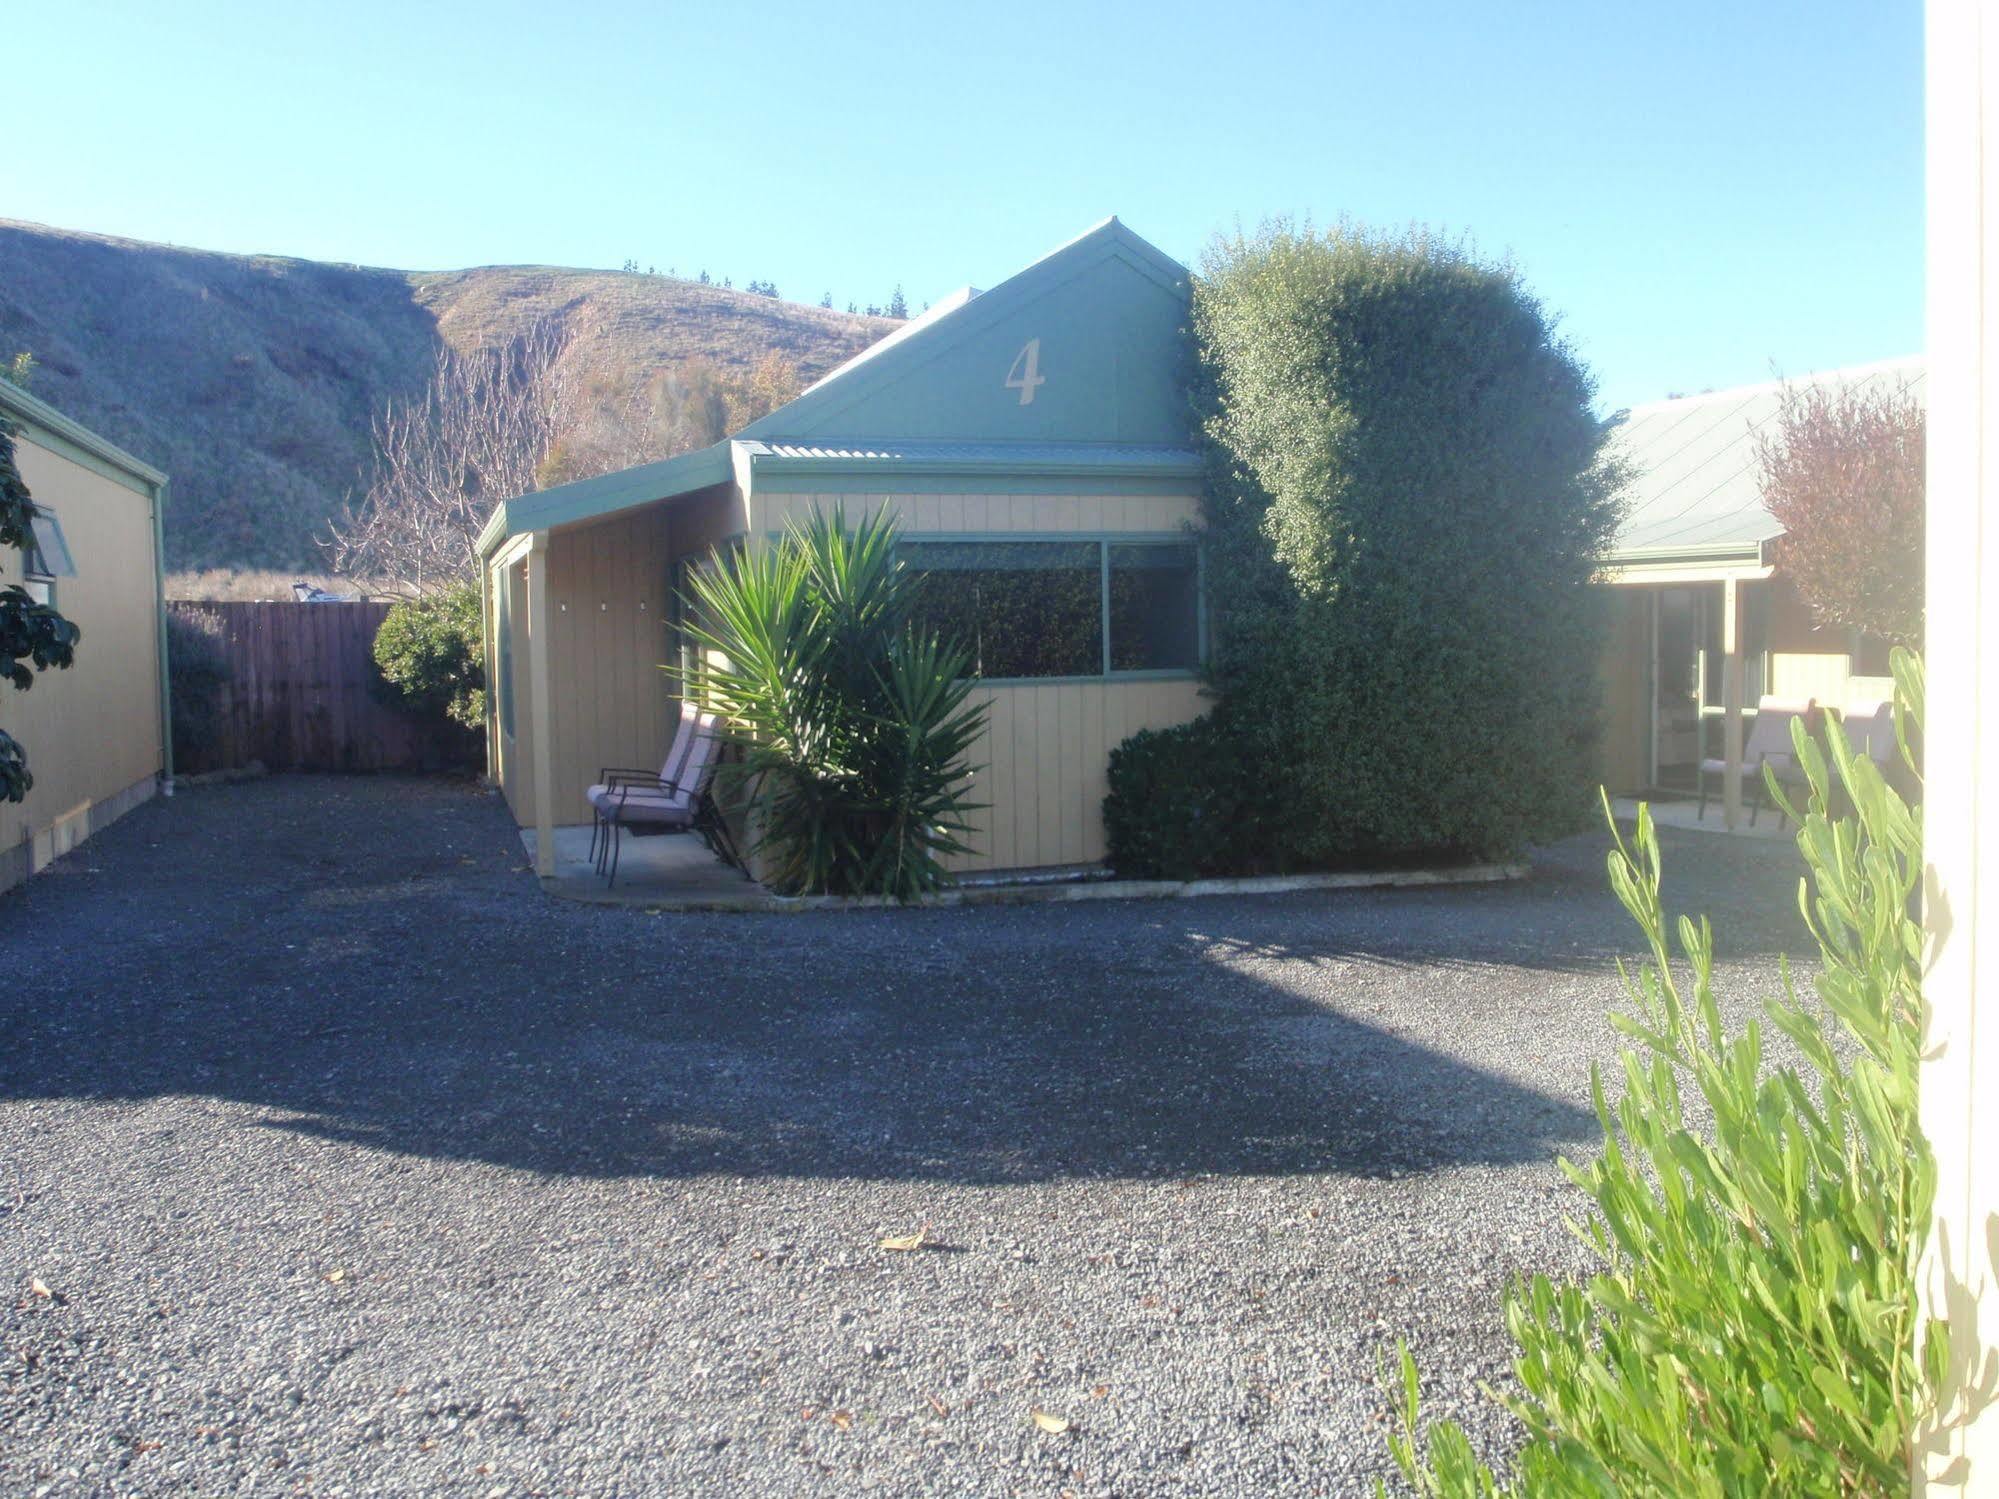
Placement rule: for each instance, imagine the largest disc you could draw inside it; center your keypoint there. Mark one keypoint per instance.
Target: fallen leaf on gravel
(334, 1277)
(902, 1243)
(1053, 1425)
(939, 1406)
(1100, 1391)
(35, 1285)
(842, 1419)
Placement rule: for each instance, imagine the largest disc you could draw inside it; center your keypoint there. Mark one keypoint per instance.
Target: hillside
(251, 378)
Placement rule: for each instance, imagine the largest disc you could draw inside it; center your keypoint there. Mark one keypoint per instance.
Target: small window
(46, 557)
(1155, 606)
(1024, 608)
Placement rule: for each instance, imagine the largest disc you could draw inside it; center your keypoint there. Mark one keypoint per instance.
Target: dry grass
(224, 585)
(251, 379)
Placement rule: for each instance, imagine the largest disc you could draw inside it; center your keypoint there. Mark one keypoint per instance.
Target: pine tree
(897, 307)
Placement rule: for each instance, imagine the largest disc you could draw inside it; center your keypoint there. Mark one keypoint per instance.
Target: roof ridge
(1915, 363)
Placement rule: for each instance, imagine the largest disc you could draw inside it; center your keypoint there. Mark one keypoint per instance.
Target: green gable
(1065, 378)
(1084, 346)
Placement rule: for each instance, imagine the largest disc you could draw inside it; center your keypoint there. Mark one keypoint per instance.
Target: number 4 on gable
(1026, 374)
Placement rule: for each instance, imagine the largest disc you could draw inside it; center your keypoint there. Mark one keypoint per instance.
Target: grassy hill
(251, 378)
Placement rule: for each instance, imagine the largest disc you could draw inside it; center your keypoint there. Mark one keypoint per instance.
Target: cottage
(1032, 442)
(1701, 624)
(95, 735)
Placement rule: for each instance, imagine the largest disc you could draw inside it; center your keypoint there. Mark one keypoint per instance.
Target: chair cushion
(640, 804)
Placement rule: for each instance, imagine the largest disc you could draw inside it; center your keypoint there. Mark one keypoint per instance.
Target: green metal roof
(1695, 492)
(607, 494)
(1072, 367)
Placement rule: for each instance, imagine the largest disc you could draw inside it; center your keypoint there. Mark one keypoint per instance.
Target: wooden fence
(302, 694)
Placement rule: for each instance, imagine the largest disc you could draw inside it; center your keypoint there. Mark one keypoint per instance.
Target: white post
(1731, 702)
(542, 707)
(1958, 1452)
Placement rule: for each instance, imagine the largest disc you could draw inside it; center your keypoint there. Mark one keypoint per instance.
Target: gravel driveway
(354, 1165)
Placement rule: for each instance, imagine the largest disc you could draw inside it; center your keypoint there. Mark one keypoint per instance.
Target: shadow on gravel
(365, 960)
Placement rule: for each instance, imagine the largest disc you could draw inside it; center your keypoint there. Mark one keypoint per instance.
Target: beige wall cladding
(1040, 768)
(1041, 765)
(973, 513)
(92, 733)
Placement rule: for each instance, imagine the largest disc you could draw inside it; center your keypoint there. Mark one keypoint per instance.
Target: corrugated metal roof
(1065, 455)
(1695, 486)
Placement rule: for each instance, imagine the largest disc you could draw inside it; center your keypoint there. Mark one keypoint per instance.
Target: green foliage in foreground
(430, 654)
(853, 725)
(1752, 1328)
(30, 632)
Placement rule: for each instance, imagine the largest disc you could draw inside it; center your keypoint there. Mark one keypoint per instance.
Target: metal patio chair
(673, 799)
(1769, 742)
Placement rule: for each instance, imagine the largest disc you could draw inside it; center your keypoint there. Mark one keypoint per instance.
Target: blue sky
(1705, 192)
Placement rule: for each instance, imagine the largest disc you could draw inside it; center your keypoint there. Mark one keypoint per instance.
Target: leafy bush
(1404, 508)
(1842, 473)
(1753, 1325)
(853, 724)
(30, 632)
(1178, 807)
(430, 654)
(197, 671)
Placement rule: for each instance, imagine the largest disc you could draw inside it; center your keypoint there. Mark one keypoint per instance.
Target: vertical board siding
(1041, 765)
(613, 704)
(301, 695)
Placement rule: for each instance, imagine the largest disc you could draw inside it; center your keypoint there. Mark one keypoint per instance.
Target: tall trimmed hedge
(1406, 498)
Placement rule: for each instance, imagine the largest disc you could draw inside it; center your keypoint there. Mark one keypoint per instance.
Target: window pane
(1024, 608)
(1155, 607)
(51, 547)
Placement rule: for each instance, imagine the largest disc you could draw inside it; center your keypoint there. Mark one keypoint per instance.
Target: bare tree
(509, 419)
(480, 433)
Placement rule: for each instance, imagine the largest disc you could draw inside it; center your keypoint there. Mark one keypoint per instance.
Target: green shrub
(197, 671)
(853, 725)
(1404, 508)
(430, 654)
(1178, 808)
(1752, 1328)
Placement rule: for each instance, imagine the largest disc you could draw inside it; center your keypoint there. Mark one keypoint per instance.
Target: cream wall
(91, 733)
(1041, 764)
(1957, 1449)
(1042, 761)
(972, 513)
(609, 616)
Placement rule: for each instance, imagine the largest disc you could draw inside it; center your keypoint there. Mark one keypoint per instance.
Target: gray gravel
(355, 1165)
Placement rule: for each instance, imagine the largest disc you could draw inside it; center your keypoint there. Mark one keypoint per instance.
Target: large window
(1155, 606)
(1063, 608)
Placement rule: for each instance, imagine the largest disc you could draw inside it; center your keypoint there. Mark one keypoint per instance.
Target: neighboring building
(1694, 585)
(95, 735)
(1035, 432)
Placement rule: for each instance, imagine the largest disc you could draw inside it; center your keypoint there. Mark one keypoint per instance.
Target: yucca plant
(1752, 1327)
(853, 723)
